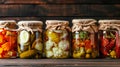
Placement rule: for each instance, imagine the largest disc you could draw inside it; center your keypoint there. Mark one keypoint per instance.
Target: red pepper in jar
(117, 45)
(110, 45)
(105, 42)
(87, 44)
(103, 51)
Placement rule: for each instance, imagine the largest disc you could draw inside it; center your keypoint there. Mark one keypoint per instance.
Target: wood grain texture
(60, 10)
(61, 62)
(60, 1)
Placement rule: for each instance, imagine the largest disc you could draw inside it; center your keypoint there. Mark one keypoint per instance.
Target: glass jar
(8, 39)
(84, 39)
(57, 40)
(30, 39)
(109, 37)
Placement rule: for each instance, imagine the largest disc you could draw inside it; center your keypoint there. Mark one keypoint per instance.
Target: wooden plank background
(40, 8)
(60, 1)
(59, 9)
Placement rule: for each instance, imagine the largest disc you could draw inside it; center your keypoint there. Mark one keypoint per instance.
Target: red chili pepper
(103, 51)
(110, 45)
(87, 44)
(105, 42)
(117, 46)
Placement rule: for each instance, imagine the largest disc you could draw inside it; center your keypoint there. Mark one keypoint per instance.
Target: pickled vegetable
(30, 44)
(56, 44)
(8, 43)
(82, 46)
(24, 36)
(53, 36)
(28, 54)
(108, 44)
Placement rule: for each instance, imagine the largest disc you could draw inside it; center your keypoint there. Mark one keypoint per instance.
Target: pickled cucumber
(32, 37)
(18, 47)
(25, 44)
(24, 36)
(28, 54)
(24, 48)
(37, 45)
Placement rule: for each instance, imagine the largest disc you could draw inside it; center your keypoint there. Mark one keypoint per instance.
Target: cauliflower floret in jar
(60, 52)
(57, 52)
(49, 44)
(64, 45)
(49, 54)
(57, 32)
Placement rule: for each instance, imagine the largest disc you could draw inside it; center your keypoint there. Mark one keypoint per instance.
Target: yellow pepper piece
(53, 36)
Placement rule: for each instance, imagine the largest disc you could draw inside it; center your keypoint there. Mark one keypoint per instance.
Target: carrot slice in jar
(6, 46)
(2, 39)
(2, 31)
(1, 50)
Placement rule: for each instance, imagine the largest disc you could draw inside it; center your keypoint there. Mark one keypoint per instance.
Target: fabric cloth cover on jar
(109, 38)
(30, 39)
(84, 38)
(8, 39)
(57, 39)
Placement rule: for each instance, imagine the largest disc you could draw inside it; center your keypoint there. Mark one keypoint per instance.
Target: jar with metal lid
(57, 39)
(109, 38)
(8, 39)
(84, 38)
(30, 39)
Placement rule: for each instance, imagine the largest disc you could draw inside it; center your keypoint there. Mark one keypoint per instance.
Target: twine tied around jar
(85, 25)
(57, 25)
(8, 25)
(107, 24)
(30, 26)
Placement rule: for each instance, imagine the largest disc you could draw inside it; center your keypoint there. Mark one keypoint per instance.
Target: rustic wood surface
(60, 10)
(60, 1)
(60, 62)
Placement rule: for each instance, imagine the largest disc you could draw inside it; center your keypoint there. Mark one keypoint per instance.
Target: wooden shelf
(60, 62)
